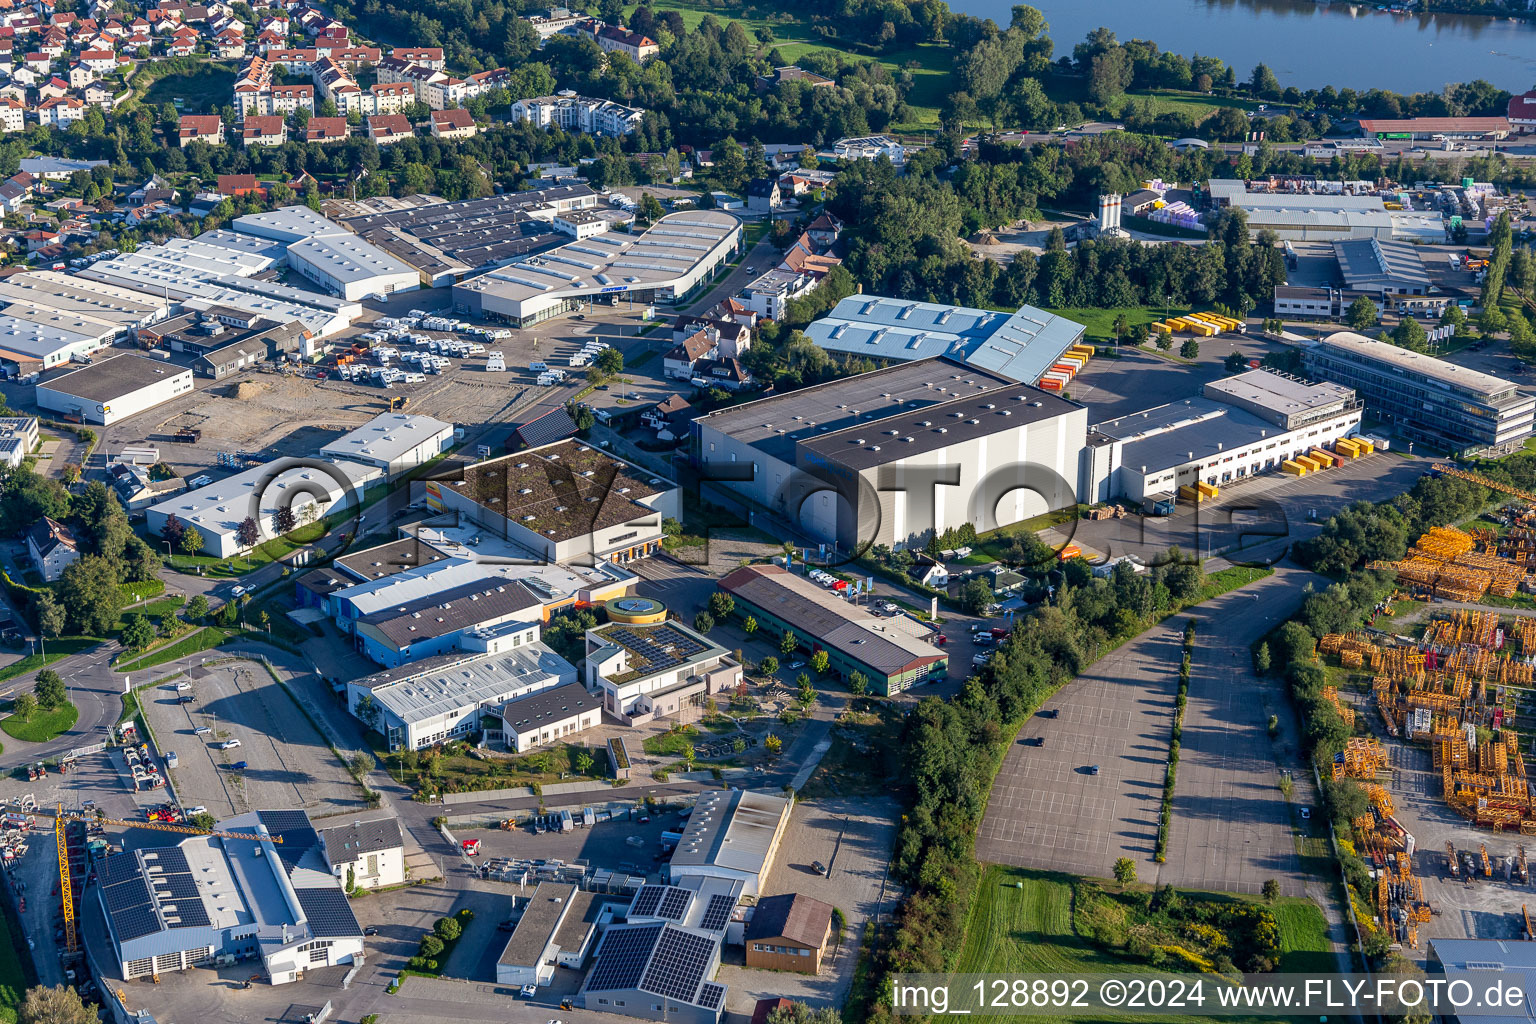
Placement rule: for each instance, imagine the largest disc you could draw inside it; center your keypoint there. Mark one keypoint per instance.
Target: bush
(431, 945)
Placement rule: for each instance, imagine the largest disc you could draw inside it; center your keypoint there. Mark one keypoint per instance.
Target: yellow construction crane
(66, 886)
(1478, 478)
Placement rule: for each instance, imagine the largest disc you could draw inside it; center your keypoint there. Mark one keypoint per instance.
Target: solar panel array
(718, 913)
(622, 956)
(128, 899)
(175, 889)
(660, 646)
(647, 900)
(711, 995)
(674, 904)
(329, 913)
(681, 961)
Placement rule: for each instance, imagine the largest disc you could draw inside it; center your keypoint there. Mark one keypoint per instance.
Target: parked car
(371, 930)
(792, 666)
(529, 991)
(185, 698)
(202, 729)
(229, 744)
(507, 926)
(818, 867)
(183, 686)
(1306, 813)
(980, 659)
(1093, 769)
(239, 766)
(940, 639)
(236, 590)
(199, 809)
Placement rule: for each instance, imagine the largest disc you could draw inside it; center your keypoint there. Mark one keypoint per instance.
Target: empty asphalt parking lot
(288, 763)
(1231, 827)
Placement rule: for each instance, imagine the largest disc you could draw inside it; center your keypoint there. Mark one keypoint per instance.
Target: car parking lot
(288, 763)
(1140, 379)
(623, 843)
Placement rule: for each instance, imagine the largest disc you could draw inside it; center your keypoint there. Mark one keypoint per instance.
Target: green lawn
(201, 90)
(262, 554)
(929, 64)
(1218, 583)
(59, 647)
(203, 639)
(1303, 938)
(671, 744)
(1021, 923)
(43, 725)
(1101, 322)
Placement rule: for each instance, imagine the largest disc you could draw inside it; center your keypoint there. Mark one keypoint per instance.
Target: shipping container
(1209, 490)
(1292, 467)
(1325, 459)
(1309, 465)
(1364, 445)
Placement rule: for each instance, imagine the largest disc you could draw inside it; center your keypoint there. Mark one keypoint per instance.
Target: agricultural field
(1034, 922)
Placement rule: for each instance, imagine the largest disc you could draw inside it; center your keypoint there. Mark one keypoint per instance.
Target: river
(1308, 45)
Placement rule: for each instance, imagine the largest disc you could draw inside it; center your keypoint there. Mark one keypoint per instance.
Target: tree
(610, 361)
(138, 632)
(1362, 314)
(1190, 349)
(285, 519)
(361, 763)
(1453, 317)
(650, 207)
(247, 533)
(431, 945)
(50, 615)
(203, 820)
(976, 597)
(191, 541)
(448, 928)
(799, 1013)
(688, 754)
(788, 642)
(584, 763)
(1271, 890)
(858, 683)
(1261, 659)
(24, 705)
(1264, 84)
(57, 1005)
(1411, 335)
(50, 690)
(351, 878)
(88, 591)
(172, 529)
(749, 625)
(197, 608)
(1163, 340)
(1234, 362)
(773, 744)
(819, 661)
(1125, 871)
(703, 622)
(721, 604)
(768, 666)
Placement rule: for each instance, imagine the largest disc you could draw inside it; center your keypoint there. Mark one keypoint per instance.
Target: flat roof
(109, 380)
(222, 291)
(431, 687)
(1191, 430)
(451, 610)
(667, 250)
(777, 424)
(124, 306)
(561, 490)
(1485, 385)
(547, 907)
(387, 437)
(655, 647)
(37, 340)
(731, 829)
(1281, 393)
(880, 643)
(286, 224)
(1372, 263)
(348, 259)
(221, 506)
(1238, 194)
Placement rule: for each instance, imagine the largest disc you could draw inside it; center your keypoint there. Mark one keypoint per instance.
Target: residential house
(53, 89)
(762, 195)
(53, 548)
(669, 418)
(100, 61)
(207, 128)
(13, 115)
(792, 73)
(80, 76)
(138, 215)
(387, 128)
(325, 129)
(426, 56)
(724, 373)
(39, 239)
(262, 131)
(733, 337)
(239, 185)
(678, 363)
(99, 94)
(456, 123)
(788, 932)
(183, 43)
(229, 44)
(38, 63)
(366, 854)
(60, 111)
(824, 230)
(299, 62)
(613, 39)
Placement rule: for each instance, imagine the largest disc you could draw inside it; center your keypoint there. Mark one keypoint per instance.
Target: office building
(454, 696)
(854, 461)
(1021, 346)
(732, 835)
(558, 927)
(237, 894)
(366, 854)
(669, 260)
(1325, 217)
(643, 672)
(894, 653)
(1241, 427)
(550, 716)
(566, 502)
(1425, 398)
(394, 442)
(113, 389)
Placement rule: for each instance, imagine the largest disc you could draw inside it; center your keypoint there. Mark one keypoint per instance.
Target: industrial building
(1021, 346)
(1425, 398)
(1325, 218)
(732, 835)
(658, 963)
(1438, 129)
(566, 502)
(347, 266)
(237, 894)
(394, 442)
(550, 716)
(445, 242)
(643, 672)
(894, 653)
(1242, 426)
(218, 509)
(860, 460)
(671, 259)
(113, 389)
(558, 927)
(453, 696)
(1382, 268)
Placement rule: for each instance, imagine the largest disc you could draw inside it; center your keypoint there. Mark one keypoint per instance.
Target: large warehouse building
(394, 442)
(1020, 346)
(154, 910)
(889, 457)
(113, 389)
(1242, 426)
(1424, 397)
(670, 259)
(1325, 218)
(893, 653)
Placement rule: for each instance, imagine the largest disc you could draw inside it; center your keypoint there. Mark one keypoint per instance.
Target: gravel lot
(290, 763)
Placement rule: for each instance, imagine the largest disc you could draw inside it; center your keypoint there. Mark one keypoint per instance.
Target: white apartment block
(578, 114)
